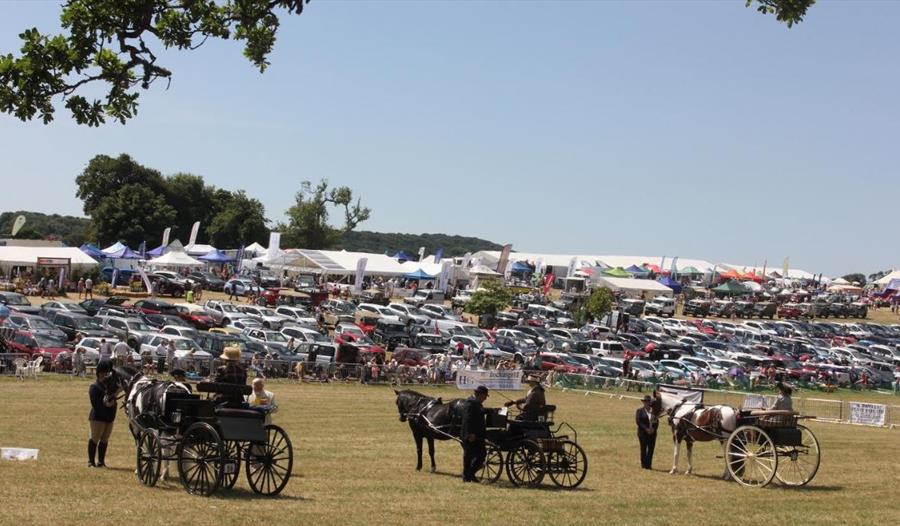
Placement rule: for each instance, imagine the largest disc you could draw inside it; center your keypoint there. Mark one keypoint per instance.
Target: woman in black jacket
(103, 414)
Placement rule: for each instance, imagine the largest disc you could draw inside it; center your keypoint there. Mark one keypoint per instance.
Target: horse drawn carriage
(770, 445)
(530, 450)
(208, 443)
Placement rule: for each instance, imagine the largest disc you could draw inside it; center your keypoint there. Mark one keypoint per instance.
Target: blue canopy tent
(156, 252)
(519, 267)
(671, 283)
(637, 271)
(215, 256)
(418, 274)
(92, 251)
(124, 253)
(402, 256)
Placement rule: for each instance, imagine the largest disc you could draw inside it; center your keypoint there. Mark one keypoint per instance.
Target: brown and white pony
(693, 422)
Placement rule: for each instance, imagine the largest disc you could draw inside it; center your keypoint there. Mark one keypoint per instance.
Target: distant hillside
(378, 242)
(70, 230)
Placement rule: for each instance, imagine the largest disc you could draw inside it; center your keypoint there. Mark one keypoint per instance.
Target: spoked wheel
(493, 465)
(798, 464)
(750, 457)
(269, 465)
(149, 457)
(200, 456)
(568, 465)
(231, 468)
(525, 464)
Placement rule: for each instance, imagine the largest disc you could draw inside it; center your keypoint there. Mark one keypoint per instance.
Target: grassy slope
(355, 460)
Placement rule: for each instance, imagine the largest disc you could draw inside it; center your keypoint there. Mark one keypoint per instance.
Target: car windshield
(15, 299)
(185, 345)
(227, 307)
(266, 312)
(430, 340)
(317, 337)
(45, 340)
(40, 323)
(138, 326)
(87, 323)
(275, 337)
(472, 331)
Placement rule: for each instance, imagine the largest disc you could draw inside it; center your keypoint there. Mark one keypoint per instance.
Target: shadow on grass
(173, 484)
(546, 485)
(774, 484)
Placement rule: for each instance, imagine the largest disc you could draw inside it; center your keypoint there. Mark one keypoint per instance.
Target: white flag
(360, 273)
(194, 231)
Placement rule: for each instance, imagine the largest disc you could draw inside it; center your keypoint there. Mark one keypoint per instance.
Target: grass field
(354, 464)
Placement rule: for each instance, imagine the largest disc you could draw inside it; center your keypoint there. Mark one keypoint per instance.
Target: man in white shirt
(122, 351)
(262, 400)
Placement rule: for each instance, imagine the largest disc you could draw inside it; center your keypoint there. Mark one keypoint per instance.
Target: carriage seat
(227, 412)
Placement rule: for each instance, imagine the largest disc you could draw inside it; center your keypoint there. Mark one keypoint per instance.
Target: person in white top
(105, 350)
(262, 400)
(122, 351)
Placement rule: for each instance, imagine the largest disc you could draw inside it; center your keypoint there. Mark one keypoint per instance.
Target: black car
(208, 280)
(158, 321)
(765, 309)
(633, 306)
(163, 285)
(72, 324)
(18, 302)
(838, 310)
(721, 308)
(857, 310)
(214, 343)
(540, 335)
(92, 306)
(390, 333)
(698, 308)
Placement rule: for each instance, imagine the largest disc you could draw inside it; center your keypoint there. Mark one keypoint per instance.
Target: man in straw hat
(231, 372)
(534, 402)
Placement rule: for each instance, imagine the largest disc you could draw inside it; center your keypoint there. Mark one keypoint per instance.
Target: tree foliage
(70, 230)
(593, 307)
(491, 298)
(112, 42)
(858, 277)
(788, 11)
(308, 226)
(129, 202)
(376, 242)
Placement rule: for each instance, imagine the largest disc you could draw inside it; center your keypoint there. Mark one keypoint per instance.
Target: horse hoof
(672, 471)
(688, 472)
(418, 468)
(433, 470)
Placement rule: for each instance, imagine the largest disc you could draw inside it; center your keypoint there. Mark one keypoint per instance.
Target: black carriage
(531, 450)
(209, 443)
(770, 445)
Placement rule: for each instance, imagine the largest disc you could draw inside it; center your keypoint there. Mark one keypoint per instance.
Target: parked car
(790, 311)
(65, 306)
(132, 329)
(73, 324)
(37, 344)
(765, 309)
(390, 333)
(411, 357)
(241, 287)
(154, 306)
(633, 307)
(34, 324)
(222, 312)
(698, 308)
(196, 316)
(93, 306)
(660, 306)
(18, 303)
(207, 280)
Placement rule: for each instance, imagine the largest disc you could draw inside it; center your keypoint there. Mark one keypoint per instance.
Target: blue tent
(401, 256)
(518, 266)
(123, 253)
(215, 256)
(671, 283)
(418, 274)
(634, 269)
(92, 251)
(156, 252)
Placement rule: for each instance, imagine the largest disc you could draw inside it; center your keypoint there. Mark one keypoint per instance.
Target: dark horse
(428, 418)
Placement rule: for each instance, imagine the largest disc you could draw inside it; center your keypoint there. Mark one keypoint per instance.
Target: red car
(364, 343)
(559, 361)
(197, 319)
(790, 310)
(703, 329)
(35, 344)
(412, 357)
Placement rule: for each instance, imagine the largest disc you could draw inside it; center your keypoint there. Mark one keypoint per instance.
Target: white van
(660, 306)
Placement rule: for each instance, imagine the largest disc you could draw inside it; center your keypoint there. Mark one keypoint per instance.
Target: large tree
(193, 200)
(308, 225)
(112, 42)
(131, 214)
(239, 220)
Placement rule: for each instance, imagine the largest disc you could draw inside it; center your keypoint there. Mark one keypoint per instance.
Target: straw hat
(231, 353)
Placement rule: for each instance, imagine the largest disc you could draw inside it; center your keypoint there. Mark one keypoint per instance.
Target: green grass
(354, 464)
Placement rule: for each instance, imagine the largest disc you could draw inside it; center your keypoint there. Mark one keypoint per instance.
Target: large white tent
(887, 279)
(176, 258)
(634, 288)
(28, 256)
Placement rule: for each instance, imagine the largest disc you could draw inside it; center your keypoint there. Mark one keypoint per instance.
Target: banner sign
(53, 262)
(570, 271)
(868, 414)
(499, 379)
(688, 395)
(146, 280)
(754, 401)
(504, 257)
(165, 239)
(274, 242)
(360, 272)
(438, 254)
(446, 270)
(17, 225)
(194, 231)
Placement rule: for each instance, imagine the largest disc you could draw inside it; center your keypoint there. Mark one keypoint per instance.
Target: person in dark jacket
(472, 433)
(101, 418)
(534, 402)
(232, 372)
(647, 424)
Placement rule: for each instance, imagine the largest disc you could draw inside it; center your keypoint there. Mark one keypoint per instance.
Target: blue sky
(699, 129)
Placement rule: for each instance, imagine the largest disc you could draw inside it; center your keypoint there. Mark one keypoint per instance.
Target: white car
(178, 330)
(241, 287)
(378, 310)
(245, 323)
(297, 315)
(91, 348)
(304, 335)
(661, 306)
(406, 312)
(264, 315)
(223, 312)
(183, 346)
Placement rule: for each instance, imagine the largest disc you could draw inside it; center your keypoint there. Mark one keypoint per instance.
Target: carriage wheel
(200, 454)
(268, 466)
(750, 457)
(798, 464)
(231, 468)
(492, 468)
(567, 466)
(149, 457)
(525, 464)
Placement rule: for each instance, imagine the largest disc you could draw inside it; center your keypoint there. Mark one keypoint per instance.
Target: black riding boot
(101, 454)
(92, 450)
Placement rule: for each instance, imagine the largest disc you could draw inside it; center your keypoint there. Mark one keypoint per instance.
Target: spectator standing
(106, 350)
(80, 287)
(88, 288)
(101, 418)
(122, 351)
(170, 356)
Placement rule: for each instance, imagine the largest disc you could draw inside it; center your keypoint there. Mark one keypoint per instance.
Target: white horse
(693, 422)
